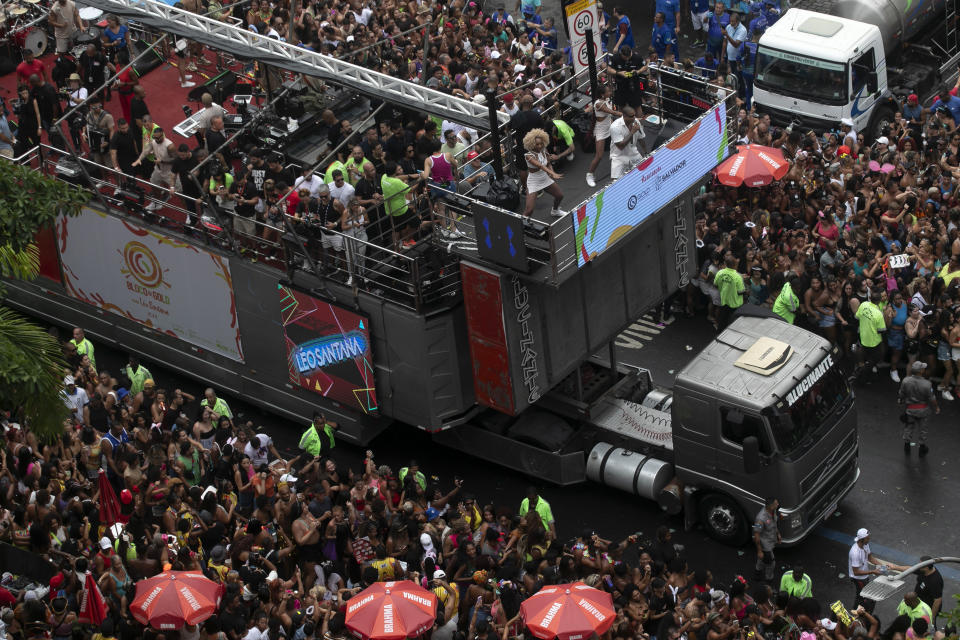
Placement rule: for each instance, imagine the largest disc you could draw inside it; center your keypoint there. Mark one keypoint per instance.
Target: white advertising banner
(161, 282)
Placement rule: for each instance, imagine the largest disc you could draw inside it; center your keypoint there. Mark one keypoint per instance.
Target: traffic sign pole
(592, 66)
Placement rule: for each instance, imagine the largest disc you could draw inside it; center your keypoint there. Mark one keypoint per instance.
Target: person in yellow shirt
(387, 568)
(951, 270)
(871, 322)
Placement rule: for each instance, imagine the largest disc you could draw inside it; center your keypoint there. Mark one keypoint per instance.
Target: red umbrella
(391, 611)
(93, 610)
(568, 612)
(754, 165)
(109, 505)
(175, 598)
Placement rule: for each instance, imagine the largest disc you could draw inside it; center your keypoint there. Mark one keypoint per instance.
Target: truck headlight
(796, 521)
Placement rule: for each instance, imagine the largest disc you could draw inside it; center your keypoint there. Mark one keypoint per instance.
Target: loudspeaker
(148, 62)
(221, 87)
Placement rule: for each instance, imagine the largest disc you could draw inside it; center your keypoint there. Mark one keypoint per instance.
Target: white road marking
(644, 329)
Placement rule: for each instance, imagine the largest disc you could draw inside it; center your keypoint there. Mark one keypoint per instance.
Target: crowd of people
(293, 536)
(859, 242)
(388, 170)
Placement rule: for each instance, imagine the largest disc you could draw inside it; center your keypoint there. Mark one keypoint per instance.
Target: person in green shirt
(797, 583)
(396, 192)
(872, 322)
(913, 607)
(318, 439)
(336, 164)
(542, 507)
(730, 285)
(412, 470)
(136, 373)
(785, 301)
(561, 139)
(353, 167)
(84, 346)
(218, 405)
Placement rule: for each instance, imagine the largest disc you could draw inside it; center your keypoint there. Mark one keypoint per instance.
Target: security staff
(318, 439)
(84, 346)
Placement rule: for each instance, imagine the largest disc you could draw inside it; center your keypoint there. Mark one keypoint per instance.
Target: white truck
(825, 60)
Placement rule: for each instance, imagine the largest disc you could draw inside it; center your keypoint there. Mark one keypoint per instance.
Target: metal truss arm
(245, 44)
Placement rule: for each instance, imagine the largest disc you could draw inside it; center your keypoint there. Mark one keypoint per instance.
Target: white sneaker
(946, 395)
(153, 206)
(350, 281)
(571, 157)
(591, 182)
(187, 84)
(557, 213)
(894, 375)
(188, 76)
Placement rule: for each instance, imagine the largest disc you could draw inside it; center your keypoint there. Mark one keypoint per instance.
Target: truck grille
(822, 469)
(832, 491)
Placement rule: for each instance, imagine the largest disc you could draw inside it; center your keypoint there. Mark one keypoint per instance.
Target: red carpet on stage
(164, 95)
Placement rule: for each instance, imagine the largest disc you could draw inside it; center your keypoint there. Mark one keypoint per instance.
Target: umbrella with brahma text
(568, 612)
(753, 165)
(175, 598)
(391, 611)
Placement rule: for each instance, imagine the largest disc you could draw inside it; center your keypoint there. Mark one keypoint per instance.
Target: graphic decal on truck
(328, 349)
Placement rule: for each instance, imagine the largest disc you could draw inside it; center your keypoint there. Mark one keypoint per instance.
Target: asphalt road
(908, 504)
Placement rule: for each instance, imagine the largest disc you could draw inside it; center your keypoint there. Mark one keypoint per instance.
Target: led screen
(657, 180)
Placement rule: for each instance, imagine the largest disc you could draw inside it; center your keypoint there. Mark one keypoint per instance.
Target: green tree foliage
(31, 362)
(29, 201)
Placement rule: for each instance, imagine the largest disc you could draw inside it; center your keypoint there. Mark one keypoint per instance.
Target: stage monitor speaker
(148, 62)
(220, 86)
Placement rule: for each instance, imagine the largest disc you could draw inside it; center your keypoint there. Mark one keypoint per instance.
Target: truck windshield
(801, 76)
(797, 426)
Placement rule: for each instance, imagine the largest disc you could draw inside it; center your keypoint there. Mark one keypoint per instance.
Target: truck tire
(723, 519)
(882, 117)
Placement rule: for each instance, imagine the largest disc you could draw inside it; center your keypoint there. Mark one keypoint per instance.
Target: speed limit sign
(582, 56)
(582, 17)
(583, 21)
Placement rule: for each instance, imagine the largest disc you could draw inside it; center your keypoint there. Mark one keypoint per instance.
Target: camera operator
(100, 129)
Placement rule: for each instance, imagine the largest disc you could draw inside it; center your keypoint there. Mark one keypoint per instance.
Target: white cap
(861, 534)
(439, 574)
(104, 542)
(494, 54)
(883, 140)
(30, 595)
(350, 38)
(517, 68)
(272, 576)
(918, 366)
(67, 381)
(847, 122)
(426, 541)
(828, 624)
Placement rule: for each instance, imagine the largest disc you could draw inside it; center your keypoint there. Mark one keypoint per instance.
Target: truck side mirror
(751, 454)
(872, 81)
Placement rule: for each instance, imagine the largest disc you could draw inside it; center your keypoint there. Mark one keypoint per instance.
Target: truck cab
(764, 411)
(815, 69)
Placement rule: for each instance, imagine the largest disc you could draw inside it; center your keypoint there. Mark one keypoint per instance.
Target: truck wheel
(882, 118)
(723, 519)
